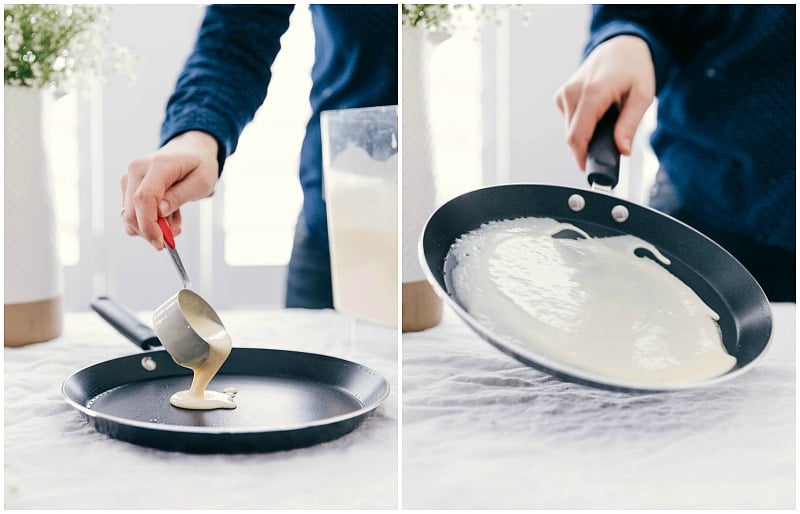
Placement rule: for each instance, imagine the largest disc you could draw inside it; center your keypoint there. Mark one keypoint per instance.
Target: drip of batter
(588, 302)
(197, 397)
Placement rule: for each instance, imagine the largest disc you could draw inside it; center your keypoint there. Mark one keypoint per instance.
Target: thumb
(170, 203)
(629, 118)
(164, 208)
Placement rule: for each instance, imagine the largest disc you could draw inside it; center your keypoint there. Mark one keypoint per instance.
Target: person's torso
(726, 121)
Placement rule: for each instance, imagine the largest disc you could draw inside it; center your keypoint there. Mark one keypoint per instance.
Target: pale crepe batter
(587, 302)
(197, 397)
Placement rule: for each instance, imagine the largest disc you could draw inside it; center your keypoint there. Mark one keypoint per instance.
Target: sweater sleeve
(225, 78)
(667, 30)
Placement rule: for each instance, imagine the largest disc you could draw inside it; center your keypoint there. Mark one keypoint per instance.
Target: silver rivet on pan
(149, 364)
(576, 202)
(619, 213)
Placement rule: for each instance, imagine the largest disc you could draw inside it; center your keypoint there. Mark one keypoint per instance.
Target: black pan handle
(602, 160)
(125, 322)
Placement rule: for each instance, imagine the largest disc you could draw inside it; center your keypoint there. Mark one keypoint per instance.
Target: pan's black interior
(719, 279)
(285, 400)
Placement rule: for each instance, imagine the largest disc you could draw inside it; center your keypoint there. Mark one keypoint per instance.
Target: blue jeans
(773, 268)
(308, 283)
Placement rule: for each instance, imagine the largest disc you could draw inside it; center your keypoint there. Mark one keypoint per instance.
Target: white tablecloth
(481, 430)
(54, 459)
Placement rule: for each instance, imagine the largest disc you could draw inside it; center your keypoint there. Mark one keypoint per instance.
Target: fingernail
(164, 208)
(157, 244)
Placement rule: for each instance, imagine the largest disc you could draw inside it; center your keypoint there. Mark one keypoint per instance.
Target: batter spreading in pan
(591, 303)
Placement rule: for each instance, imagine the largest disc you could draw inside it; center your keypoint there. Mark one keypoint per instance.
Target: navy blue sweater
(725, 81)
(226, 76)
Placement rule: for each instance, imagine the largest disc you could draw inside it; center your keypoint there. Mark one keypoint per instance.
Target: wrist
(202, 141)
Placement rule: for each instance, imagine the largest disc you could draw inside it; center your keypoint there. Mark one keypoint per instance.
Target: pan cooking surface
(261, 402)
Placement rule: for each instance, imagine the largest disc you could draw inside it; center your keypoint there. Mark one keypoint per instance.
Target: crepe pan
(713, 273)
(285, 399)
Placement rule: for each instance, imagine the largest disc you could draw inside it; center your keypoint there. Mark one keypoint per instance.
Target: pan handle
(602, 160)
(125, 322)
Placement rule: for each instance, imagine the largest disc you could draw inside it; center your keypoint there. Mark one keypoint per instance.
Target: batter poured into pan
(197, 397)
(587, 302)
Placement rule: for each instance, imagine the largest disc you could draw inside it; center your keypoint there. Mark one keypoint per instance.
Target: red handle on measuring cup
(168, 238)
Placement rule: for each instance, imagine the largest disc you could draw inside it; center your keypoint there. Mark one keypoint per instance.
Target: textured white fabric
(481, 430)
(54, 459)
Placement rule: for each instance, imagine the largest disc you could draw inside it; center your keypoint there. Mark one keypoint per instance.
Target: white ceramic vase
(33, 274)
(421, 307)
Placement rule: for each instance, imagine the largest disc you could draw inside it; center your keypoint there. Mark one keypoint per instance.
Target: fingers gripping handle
(602, 160)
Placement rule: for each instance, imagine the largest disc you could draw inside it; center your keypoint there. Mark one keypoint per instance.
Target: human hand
(619, 71)
(157, 184)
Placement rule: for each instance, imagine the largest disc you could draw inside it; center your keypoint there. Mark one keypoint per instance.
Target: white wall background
(121, 122)
(517, 133)
(522, 135)
(531, 63)
(162, 35)
(541, 56)
(117, 122)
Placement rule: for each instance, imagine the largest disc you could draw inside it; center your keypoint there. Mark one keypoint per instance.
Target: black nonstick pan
(715, 275)
(285, 399)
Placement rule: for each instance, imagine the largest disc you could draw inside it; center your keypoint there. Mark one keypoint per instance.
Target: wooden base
(422, 309)
(34, 322)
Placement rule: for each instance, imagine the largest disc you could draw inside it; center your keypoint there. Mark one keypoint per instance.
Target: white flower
(449, 17)
(58, 46)
(13, 42)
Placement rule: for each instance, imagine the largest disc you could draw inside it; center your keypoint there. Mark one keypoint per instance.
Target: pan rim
(242, 430)
(556, 368)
